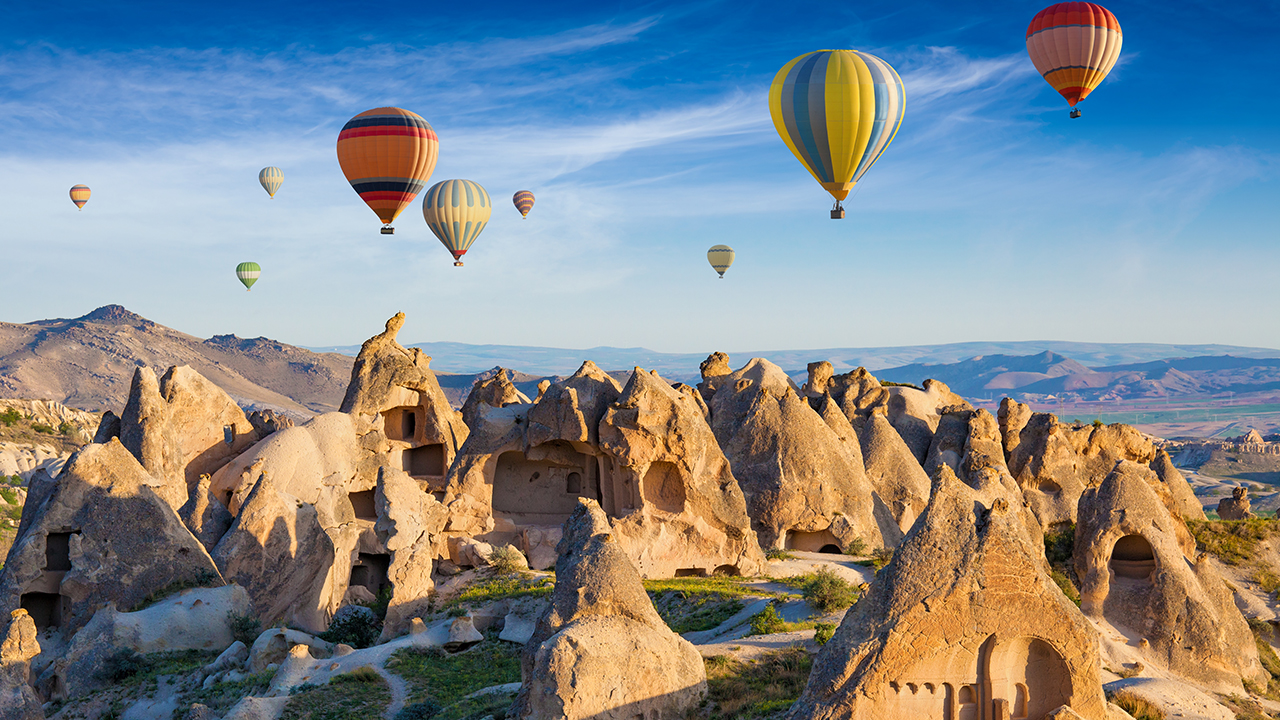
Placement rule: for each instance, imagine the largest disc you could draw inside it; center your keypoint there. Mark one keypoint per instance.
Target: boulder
(272, 648)
(963, 622)
(1237, 506)
(601, 651)
(495, 391)
(462, 635)
(805, 486)
(713, 370)
(18, 700)
(101, 534)
(1136, 574)
(893, 471)
(232, 658)
(181, 427)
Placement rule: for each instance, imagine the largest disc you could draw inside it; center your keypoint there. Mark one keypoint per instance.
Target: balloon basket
(388, 230)
(837, 213)
(457, 263)
(1075, 113)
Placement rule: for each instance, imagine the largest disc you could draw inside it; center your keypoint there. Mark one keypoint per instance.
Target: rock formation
(1235, 507)
(18, 701)
(410, 521)
(806, 488)
(893, 471)
(1136, 573)
(601, 651)
(646, 455)
(915, 413)
(1188, 506)
(963, 623)
(101, 534)
(859, 395)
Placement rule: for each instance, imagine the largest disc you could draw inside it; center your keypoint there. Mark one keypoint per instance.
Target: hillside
(88, 362)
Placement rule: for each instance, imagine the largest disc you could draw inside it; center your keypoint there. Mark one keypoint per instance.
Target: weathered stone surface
(1188, 506)
(1237, 506)
(1054, 463)
(462, 634)
(963, 621)
(601, 651)
(272, 648)
(181, 427)
(1013, 417)
(114, 539)
(409, 521)
(204, 515)
(713, 370)
(915, 413)
(18, 700)
(800, 479)
(496, 392)
(108, 428)
(859, 395)
(571, 410)
(893, 471)
(1135, 574)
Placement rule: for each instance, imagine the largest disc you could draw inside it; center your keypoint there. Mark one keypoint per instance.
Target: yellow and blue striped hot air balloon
(524, 202)
(248, 273)
(456, 211)
(271, 177)
(80, 195)
(837, 110)
(720, 257)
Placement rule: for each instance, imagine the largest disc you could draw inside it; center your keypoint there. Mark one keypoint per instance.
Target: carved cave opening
(45, 609)
(370, 571)
(663, 487)
(1132, 557)
(427, 460)
(543, 492)
(822, 541)
(401, 423)
(57, 551)
(363, 504)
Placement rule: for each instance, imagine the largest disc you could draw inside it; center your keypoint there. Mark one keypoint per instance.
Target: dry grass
(1139, 708)
(753, 689)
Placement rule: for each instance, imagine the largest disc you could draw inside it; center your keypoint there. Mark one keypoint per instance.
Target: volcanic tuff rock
(1136, 573)
(601, 651)
(1235, 507)
(805, 487)
(496, 391)
(963, 622)
(893, 471)
(859, 394)
(18, 701)
(409, 523)
(76, 552)
(915, 413)
(1188, 507)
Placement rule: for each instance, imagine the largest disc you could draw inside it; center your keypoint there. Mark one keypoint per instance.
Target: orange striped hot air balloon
(524, 202)
(1074, 45)
(80, 195)
(387, 155)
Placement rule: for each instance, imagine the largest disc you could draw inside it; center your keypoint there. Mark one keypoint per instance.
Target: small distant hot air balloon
(721, 258)
(837, 111)
(1074, 45)
(456, 211)
(271, 177)
(80, 195)
(524, 202)
(248, 273)
(388, 155)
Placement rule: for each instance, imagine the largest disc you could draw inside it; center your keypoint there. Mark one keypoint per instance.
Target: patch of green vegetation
(434, 675)
(43, 429)
(245, 628)
(890, 383)
(507, 560)
(490, 704)
(10, 417)
(1262, 633)
(1060, 543)
(825, 591)
(768, 622)
(1245, 708)
(127, 667)
(221, 696)
(204, 579)
(9, 495)
(1064, 584)
(1139, 708)
(881, 557)
(501, 587)
(823, 632)
(756, 689)
(690, 612)
(779, 554)
(357, 695)
(66, 428)
(1234, 542)
(357, 629)
(857, 547)
(726, 585)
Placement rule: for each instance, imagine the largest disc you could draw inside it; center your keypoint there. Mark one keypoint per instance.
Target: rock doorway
(57, 552)
(401, 424)
(1031, 677)
(663, 487)
(542, 492)
(370, 571)
(1132, 557)
(425, 461)
(822, 541)
(45, 609)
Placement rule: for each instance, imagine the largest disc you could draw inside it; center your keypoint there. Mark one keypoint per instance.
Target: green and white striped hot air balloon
(248, 273)
(720, 257)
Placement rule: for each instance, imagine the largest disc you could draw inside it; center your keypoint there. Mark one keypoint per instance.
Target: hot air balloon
(456, 211)
(387, 155)
(80, 195)
(837, 110)
(248, 273)
(721, 258)
(271, 177)
(1074, 45)
(524, 202)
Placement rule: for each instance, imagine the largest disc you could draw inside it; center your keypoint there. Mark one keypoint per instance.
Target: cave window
(691, 572)
(362, 503)
(967, 696)
(401, 423)
(370, 571)
(427, 460)
(57, 552)
(573, 483)
(45, 609)
(1132, 557)
(664, 487)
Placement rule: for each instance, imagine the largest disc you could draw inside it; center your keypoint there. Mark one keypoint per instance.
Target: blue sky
(643, 131)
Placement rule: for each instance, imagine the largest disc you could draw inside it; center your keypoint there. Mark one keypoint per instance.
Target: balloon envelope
(1074, 45)
(80, 195)
(456, 211)
(248, 273)
(388, 155)
(720, 257)
(524, 202)
(271, 177)
(837, 110)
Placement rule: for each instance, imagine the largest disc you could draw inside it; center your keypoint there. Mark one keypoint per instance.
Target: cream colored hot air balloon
(271, 177)
(456, 211)
(720, 257)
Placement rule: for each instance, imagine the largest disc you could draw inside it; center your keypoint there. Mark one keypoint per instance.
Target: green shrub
(507, 560)
(122, 665)
(1097, 422)
(779, 554)
(760, 688)
(8, 495)
(43, 429)
(856, 547)
(827, 592)
(66, 428)
(1065, 585)
(881, 557)
(767, 621)
(823, 632)
(10, 417)
(353, 625)
(364, 674)
(1060, 543)
(420, 711)
(245, 628)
